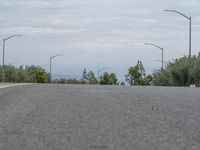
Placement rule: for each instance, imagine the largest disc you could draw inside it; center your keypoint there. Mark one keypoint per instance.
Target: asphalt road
(74, 117)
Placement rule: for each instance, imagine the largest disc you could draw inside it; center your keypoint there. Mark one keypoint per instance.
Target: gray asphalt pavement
(74, 117)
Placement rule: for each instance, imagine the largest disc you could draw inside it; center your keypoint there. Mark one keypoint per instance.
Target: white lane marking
(12, 85)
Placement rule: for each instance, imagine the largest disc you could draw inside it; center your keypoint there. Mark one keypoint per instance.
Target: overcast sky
(97, 33)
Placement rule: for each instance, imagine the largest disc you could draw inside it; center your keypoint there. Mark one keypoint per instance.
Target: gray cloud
(96, 33)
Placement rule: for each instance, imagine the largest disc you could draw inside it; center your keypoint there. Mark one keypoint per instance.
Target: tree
(73, 81)
(178, 72)
(148, 80)
(113, 79)
(88, 77)
(37, 73)
(91, 79)
(10, 73)
(22, 75)
(62, 81)
(195, 71)
(29, 74)
(137, 76)
(162, 78)
(109, 79)
(84, 77)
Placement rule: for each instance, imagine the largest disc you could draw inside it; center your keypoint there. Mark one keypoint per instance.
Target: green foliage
(91, 78)
(162, 78)
(108, 79)
(84, 77)
(38, 74)
(147, 80)
(195, 71)
(137, 76)
(73, 81)
(88, 77)
(29, 74)
(178, 72)
(67, 81)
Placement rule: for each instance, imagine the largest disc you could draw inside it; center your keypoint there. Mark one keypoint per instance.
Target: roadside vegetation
(30, 74)
(179, 72)
(137, 76)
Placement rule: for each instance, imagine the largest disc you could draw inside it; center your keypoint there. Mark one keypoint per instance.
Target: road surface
(83, 117)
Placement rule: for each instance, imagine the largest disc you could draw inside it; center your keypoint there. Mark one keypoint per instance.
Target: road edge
(14, 84)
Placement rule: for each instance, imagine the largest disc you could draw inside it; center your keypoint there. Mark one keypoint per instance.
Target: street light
(160, 49)
(190, 28)
(4, 44)
(98, 72)
(51, 62)
(190, 36)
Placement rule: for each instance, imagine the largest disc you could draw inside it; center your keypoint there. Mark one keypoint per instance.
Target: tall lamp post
(190, 35)
(51, 63)
(4, 44)
(98, 72)
(160, 49)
